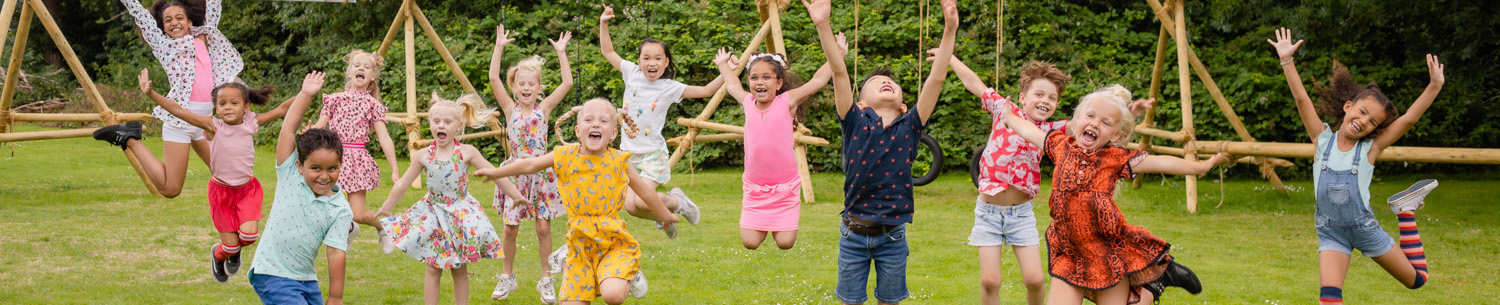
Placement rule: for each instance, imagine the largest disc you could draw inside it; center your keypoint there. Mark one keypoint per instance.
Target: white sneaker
(549, 293)
(557, 259)
(387, 240)
(503, 289)
(686, 207)
(638, 285)
(353, 231)
(671, 231)
(1411, 199)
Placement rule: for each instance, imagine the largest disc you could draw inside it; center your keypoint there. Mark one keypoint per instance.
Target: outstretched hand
(725, 61)
(950, 13)
(1435, 70)
(818, 10)
(312, 83)
(1140, 106)
(502, 37)
(1284, 45)
(1218, 158)
(145, 80)
(562, 41)
(843, 43)
(609, 13)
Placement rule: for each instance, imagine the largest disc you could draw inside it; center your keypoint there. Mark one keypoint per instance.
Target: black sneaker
(119, 134)
(216, 267)
(232, 265)
(1156, 288)
(1178, 275)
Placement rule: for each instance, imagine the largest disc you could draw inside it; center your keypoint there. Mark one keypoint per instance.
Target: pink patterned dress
(351, 114)
(447, 228)
(528, 138)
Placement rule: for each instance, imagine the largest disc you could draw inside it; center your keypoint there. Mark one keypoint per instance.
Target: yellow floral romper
(593, 191)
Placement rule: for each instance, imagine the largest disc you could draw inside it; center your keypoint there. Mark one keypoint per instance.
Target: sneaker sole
(1416, 191)
(681, 196)
(214, 262)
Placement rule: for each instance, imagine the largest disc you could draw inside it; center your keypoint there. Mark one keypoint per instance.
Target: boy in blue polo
(880, 141)
(308, 211)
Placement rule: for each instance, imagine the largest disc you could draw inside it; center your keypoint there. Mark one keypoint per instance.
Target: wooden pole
(1154, 92)
(702, 138)
(71, 58)
(1185, 82)
(713, 103)
(390, 35)
(437, 43)
(1390, 154)
(1178, 136)
(48, 135)
(694, 123)
(12, 75)
(412, 130)
(79, 117)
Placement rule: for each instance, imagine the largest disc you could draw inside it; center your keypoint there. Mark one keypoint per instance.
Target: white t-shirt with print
(647, 103)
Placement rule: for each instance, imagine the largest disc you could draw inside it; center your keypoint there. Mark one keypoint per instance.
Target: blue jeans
(886, 251)
(275, 290)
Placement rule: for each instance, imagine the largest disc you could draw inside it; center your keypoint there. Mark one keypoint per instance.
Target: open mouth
(760, 90)
(441, 136)
(1043, 109)
(595, 136)
(359, 76)
(1357, 127)
(888, 88)
(526, 95)
(1088, 137)
(652, 71)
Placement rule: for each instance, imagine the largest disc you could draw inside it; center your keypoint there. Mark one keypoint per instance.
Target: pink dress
(771, 184)
(528, 138)
(350, 115)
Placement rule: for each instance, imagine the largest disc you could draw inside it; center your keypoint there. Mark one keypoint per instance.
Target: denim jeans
(886, 251)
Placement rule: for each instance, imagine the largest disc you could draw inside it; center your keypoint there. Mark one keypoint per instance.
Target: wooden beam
(1175, 151)
(79, 117)
(706, 138)
(1208, 80)
(74, 64)
(390, 35)
(713, 103)
(1170, 135)
(801, 139)
(1154, 93)
(47, 135)
(7, 12)
(437, 43)
(8, 91)
(1390, 154)
(1184, 80)
(412, 130)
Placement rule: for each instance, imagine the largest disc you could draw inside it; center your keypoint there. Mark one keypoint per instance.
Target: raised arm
(726, 64)
(927, 98)
(336, 259)
(1285, 48)
(819, 78)
(519, 167)
(497, 83)
(843, 89)
(561, 45)
(1400, 126)
(278, 112)
(150, 30)
(1176, 166)
(704, 90)
(398, 190)
(213, 10)
(971, 80)
(286, 141)
(387, 146)
(205, 122)
(1027, 130)
(607, 47)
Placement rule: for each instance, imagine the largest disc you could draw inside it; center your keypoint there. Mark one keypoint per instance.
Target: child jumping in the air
(649, 93)
(447, 228)
(308, 211)
(184, 37)
(353, 114)
(1092, 252)
(234, 195)
(772, 188)
(880, 141)
(1345, 162)
(527, 128)
(593, 178)
(1010, 175)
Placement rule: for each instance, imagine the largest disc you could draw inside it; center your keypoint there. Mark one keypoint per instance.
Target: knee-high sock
(222, 252)
(1411, 245)
(248, 238)
(1331, 296)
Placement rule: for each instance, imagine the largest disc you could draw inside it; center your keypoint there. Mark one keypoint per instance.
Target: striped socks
(222, 252)
(246, 239)
(1411, 245)
(1331, 296)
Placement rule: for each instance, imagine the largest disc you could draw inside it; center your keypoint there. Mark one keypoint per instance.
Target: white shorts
(181, 135)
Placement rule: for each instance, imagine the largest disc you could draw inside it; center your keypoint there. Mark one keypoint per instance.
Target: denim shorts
(998, 225)
(886, 251)
(1345, 236)
(275, 290)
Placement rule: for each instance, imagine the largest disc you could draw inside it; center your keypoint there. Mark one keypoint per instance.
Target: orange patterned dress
(1089, 245)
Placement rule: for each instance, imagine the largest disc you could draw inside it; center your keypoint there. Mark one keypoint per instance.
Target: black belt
(866, 227)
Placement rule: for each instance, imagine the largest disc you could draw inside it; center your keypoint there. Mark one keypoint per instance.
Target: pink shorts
(231, 206)
(772, 207)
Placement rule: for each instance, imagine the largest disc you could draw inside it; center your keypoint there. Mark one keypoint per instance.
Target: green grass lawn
(77, 226)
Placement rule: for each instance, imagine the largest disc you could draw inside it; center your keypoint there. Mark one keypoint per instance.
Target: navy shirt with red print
(877, 165)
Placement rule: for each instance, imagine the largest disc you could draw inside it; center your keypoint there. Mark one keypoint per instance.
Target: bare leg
(231, 239)
(1395, 263)
(201, 147)
(250, 227)
(1060, 293)
(168, 175)
(1117, 295)
(508, 244)
(638, 208)
(751, 239)
(613, 290)
(544, 245)
(362, 214)
(432, 285)
(990, 274)
(460, 285)
(785, 239)
(1333, 267)
(1029, 258)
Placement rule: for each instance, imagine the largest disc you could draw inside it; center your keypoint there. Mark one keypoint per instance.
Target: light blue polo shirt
(299, 223)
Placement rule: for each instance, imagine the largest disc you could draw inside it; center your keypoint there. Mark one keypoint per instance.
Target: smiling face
(881, 92)
(174, 21)
(764, 83)
(231, 105)
(1362, 118)
(1039, 100)
(1097, 124)
(597, 126)
(362, 71)
(527, 85)
(653, 60)
(445, 123)
(320, 170)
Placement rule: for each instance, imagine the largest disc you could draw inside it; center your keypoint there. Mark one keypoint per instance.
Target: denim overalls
(1344, 219)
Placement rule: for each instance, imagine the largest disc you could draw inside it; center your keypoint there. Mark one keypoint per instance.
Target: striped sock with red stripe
(1411, 245)
(222, 252)
(246, 239)
(1331, 296)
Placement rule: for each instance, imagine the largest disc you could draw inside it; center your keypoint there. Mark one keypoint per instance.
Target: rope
(922, 42)
(1222, 145)
(1000, 40)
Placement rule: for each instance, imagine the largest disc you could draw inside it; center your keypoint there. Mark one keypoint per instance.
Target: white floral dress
(447, 228)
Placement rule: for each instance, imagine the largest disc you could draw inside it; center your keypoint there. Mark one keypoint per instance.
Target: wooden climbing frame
(770, 36)
(1263, 154)
(90, 92)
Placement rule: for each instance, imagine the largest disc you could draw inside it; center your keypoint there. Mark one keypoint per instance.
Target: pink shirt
(233, 147)
(203, 74)
(1008, 160)
(769, 157)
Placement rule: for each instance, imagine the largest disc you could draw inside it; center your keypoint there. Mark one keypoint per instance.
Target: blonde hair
(532, 64)
(374, 87)
(471, 110)
(1116, 95)
(631, 130)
